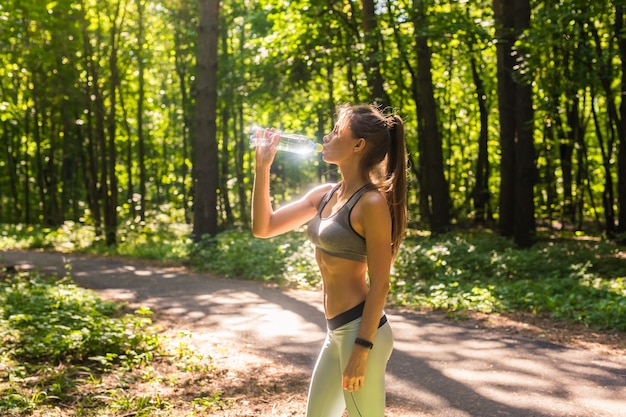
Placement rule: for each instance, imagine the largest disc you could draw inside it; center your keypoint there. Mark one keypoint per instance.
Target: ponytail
(395, 182)
(385, 161)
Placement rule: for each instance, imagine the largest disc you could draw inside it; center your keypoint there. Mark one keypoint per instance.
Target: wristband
(364, 343)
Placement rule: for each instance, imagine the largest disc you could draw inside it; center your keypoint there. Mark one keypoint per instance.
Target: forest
(124, 131)
(115, 110)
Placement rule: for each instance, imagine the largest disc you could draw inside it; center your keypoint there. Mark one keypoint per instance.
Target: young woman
(356, 226)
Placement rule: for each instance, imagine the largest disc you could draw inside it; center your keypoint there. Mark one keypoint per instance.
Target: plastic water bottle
(288, 142)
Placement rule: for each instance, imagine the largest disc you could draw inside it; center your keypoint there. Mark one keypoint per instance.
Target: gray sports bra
(334, 234)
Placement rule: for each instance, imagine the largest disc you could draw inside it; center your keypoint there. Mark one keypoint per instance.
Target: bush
(287, 259)
(63, 348)
(568, 280)
(55, 321)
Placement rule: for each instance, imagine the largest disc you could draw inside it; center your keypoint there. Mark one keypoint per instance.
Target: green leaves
(64, 348)
(568, 280)
(44, 320)
(287, 259)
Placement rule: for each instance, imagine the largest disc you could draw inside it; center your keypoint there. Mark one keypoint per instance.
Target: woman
(356, 226)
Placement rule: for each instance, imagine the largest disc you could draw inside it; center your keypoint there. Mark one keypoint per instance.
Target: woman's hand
(264, 155)
(354, 373)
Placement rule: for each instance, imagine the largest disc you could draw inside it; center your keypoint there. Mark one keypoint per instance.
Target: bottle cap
(319, 147)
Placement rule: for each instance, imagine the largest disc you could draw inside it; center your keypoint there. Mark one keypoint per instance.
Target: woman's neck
(350, 186)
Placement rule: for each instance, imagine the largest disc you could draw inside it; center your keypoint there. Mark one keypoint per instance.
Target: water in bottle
(288, 142)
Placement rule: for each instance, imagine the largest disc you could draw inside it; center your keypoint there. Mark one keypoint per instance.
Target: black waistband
(351, 315)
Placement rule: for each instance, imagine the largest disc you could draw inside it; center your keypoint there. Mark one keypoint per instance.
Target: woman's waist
(350, 315)
(343, 297)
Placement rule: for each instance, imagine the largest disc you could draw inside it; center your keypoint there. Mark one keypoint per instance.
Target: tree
(434, 188)
(205, 156)
(141, 140)
(525, 175)
(517, 171)
(620, 16)
(109, 155)
(371, 38)
(505, 38)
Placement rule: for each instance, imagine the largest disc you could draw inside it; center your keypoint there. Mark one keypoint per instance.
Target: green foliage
(211, 402)
(568, 280)
(142, 405)
(287, 259)
(44, 321)
(68, 237)
(162, 238)
(58, 340)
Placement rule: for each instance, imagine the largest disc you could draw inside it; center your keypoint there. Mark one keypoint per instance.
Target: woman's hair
(384, 162)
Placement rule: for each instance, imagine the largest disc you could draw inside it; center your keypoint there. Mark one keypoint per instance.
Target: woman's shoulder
(373, 198)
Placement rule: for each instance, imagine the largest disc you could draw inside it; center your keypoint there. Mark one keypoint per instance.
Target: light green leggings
(326, 396)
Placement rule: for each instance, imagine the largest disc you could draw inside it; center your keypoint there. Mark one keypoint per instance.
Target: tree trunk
(548, 178)
(433, 183)
(69, 167)
(26, 168)
(12, 155)
(332, 175)
(371, 63)
(605, 64)
(227, 99)
(205, 158)
(566, 153)
(504, 21)
(568, 131)
(423, 203)
(620, 11)
(241, 149)
(109, 156)
(525, 169)
(91, 140)
(52, 179)
(227, 209)
(40, 180)
(130, 157)
(481, 191)
(182, 71)
(141, 141)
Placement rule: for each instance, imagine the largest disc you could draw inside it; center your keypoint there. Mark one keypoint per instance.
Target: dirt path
(438, 368)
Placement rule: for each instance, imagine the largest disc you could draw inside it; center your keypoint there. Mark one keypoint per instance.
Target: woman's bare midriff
(345, 284)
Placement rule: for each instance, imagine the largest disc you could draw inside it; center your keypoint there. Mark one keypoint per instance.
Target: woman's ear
(360, 144)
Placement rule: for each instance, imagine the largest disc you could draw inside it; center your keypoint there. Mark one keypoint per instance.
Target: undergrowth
(64, 349)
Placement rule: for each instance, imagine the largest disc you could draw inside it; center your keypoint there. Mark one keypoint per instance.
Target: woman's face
(338, 144)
